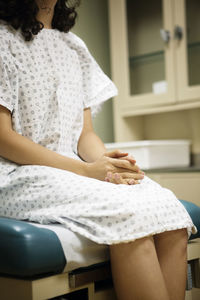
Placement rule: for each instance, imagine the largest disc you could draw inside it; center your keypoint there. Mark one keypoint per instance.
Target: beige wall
(92, 27)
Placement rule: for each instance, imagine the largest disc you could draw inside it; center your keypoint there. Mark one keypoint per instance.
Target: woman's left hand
(124, 178)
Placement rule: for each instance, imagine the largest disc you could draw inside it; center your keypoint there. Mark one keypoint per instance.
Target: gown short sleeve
(97, 86)
(8, 79)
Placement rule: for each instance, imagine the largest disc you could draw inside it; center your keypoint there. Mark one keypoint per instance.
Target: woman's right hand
(107, 164)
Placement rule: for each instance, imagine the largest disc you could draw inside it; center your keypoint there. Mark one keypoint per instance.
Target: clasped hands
(128, 174)
(116, 167)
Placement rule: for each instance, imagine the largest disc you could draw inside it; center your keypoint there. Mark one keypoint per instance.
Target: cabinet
(155, 55)
(185, 185)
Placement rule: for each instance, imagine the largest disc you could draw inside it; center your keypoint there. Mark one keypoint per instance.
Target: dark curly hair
(22, 14)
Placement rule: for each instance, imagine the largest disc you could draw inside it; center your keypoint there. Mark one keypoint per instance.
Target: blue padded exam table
(32, 262)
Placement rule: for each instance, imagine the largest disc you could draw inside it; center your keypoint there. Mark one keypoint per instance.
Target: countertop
(174, 170)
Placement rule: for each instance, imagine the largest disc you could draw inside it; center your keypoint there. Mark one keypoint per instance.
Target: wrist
(86, 169)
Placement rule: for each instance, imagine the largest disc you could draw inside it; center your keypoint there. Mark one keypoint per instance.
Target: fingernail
(117, 176)
(107, 179)
(131, 181)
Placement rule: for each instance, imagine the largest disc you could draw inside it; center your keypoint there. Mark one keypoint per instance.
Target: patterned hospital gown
(46, 83)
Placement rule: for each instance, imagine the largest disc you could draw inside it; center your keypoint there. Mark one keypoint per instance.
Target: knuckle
(124, 163)
(108, 168)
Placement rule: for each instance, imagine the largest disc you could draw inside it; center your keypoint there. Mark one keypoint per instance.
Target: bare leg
(136, 271)
(171, 247)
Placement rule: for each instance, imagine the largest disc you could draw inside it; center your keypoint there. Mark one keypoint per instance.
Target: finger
(129, 158)
(116, 154)
(134, 176)
(124, 164)
(132, 181)
(118, 179)
(137, 181)
(130, 171)
(110, 177)
(115, 178)
(142, 172)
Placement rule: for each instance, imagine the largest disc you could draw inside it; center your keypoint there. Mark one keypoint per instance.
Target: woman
(55, 169)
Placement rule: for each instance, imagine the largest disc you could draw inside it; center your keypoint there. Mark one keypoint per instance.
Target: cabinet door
(142, 62)
(187, 39)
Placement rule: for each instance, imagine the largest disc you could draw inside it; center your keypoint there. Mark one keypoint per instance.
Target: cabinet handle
(165, 35)
(178, 32)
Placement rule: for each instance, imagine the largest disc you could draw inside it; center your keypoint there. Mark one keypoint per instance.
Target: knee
(182, 236)
(143, 245)
(175, 238)
(181, 241)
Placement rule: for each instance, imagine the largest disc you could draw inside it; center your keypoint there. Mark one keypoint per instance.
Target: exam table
(40, 262)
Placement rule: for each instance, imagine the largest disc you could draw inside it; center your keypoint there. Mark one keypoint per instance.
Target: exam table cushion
(26, 250)
(194, 212)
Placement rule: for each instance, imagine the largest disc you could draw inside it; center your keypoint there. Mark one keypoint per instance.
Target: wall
(92, 27)
(183, 124)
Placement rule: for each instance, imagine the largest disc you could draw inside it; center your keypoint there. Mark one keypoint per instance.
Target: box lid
(148, 143)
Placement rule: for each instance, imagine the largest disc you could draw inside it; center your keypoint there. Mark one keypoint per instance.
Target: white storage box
(156, 153)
